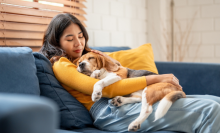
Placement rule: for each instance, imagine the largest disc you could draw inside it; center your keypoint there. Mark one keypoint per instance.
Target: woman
(66, 36)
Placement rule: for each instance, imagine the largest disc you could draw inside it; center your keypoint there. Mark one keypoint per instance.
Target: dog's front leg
(96, 74)
(146, 110)
(97, 89)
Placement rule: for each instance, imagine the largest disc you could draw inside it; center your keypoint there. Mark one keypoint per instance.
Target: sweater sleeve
(67, 74)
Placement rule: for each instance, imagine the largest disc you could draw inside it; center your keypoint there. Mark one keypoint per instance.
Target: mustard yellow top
(80, 86)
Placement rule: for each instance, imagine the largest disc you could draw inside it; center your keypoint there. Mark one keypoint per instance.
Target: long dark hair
(51, 40)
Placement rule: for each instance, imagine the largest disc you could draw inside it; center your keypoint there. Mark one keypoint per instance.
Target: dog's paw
(118, 101)
(95, 74)
(134, 126)
(96, 95)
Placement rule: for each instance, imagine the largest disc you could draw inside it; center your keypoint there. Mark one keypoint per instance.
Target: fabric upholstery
(20, 113)
(18, 71)
(110, 48)
(72, 113)
(195, 78)
(94, 130)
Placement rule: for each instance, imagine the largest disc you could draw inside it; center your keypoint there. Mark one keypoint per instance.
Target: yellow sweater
(80, 86)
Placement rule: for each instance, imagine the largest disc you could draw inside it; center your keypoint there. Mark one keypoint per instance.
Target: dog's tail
(166, 103)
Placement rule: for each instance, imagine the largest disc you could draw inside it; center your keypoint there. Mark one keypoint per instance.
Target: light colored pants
(194, 114)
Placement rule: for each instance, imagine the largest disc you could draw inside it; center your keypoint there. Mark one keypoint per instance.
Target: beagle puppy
(100, 67)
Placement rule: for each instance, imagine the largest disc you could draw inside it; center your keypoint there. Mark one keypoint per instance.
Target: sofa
(33, 101)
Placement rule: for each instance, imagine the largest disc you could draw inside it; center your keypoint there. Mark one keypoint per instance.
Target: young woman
(66, 36)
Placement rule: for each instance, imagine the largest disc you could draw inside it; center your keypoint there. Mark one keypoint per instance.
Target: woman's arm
(165, 78)
(67, 75)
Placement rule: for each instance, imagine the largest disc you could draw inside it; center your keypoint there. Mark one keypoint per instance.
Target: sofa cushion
(110, 48)
(140, 58)
(95, 130)
(18, 71)
(72, 113)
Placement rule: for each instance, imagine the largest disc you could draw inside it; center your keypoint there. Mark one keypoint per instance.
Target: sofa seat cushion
(72, 113)
(18, 71)
(94, 130)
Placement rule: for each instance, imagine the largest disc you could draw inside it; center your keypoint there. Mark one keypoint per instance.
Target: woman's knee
(210, 107)
(208, 97)
(194, 104)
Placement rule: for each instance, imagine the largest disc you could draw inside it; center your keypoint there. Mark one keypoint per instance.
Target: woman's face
(72, 41)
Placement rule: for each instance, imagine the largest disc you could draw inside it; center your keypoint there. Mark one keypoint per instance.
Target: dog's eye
(91, 58)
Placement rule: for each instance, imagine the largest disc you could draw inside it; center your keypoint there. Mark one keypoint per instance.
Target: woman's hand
(105, 55)
(98, 52)
(165, 78)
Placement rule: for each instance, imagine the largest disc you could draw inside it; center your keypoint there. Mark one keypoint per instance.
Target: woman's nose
(77, 42)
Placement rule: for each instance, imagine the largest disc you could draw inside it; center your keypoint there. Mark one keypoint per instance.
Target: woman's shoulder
(63, 62)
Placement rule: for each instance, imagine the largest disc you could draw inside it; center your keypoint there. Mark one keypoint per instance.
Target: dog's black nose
(82, 64)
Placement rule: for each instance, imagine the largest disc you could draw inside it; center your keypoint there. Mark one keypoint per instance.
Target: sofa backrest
(18, 71)
(195, 78)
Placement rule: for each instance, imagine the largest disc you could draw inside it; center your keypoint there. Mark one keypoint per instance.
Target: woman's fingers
(170, 78)
(176, 82)
(97, 52)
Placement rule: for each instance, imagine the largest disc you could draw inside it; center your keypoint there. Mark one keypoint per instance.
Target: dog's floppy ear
(100, 61)
(107, 63)
(54, 59)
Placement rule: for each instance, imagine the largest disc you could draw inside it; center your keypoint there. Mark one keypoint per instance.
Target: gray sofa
(33, 101)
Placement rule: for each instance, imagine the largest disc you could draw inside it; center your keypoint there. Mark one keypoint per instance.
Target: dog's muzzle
(82, 65)
(82, 69)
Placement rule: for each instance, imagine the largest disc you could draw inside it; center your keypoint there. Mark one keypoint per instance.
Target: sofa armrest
(27, 114)
(195, 78)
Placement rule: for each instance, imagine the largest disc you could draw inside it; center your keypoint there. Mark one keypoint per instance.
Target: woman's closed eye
(81, 36)
(73, 39)
(69, 40)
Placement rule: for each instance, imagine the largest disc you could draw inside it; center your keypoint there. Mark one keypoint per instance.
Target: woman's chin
(76, 55)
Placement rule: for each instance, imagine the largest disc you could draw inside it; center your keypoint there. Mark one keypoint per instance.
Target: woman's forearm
(168, 78)
(152, 79)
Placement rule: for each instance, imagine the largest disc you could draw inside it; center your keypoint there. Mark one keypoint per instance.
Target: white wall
(204, 37)
(159, 28)
(135, 22)
(116, 22)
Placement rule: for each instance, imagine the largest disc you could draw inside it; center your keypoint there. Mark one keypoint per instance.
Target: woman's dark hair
(51, 40)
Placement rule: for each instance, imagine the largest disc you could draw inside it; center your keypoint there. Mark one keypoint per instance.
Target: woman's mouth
(78, 50)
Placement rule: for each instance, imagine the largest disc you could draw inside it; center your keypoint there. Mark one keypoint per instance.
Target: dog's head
(93, 61)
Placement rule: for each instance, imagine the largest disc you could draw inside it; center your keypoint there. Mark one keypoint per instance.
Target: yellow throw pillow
(141, 58)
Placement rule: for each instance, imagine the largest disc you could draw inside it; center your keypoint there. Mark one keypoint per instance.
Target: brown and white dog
(97, 66)
(100, 67)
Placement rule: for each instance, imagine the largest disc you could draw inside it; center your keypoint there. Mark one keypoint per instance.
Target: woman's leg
(210, 97)
(191, 115)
